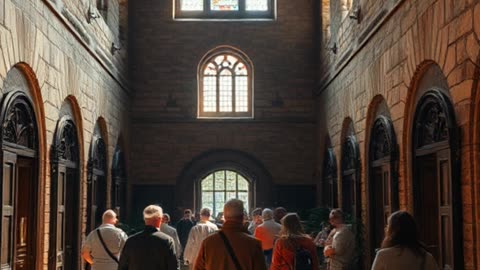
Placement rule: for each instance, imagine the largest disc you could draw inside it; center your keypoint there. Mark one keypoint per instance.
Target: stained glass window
(257, 5)
(225, 88)
(225, 9)
(224, 5)
(191, 5)
(221, 186)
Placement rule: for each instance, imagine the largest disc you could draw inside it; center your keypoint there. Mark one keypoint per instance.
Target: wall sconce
(114, 49)
(91, 15)
(355, 14)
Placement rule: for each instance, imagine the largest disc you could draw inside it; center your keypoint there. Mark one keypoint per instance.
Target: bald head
(233, 210)
(109, 217)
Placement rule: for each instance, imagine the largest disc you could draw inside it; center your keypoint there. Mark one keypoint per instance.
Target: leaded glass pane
(191, 5)
(231, 195)
(209, 94)
(242, 183)
(207, 199)
(211, 69)
(241, 69)
(257, 5)
(241, 94)
(226, 91)
(243, 196)
(220, 180)
(231, 181)
(207, 183)
(224, 5)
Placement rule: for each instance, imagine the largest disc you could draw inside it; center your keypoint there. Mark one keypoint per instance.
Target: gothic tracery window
(221, 186)
(225, 88)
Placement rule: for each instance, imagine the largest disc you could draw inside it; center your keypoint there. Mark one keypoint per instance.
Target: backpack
(303, 259)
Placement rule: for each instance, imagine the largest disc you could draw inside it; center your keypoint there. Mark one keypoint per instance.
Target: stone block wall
(386, 54)
(66, 61)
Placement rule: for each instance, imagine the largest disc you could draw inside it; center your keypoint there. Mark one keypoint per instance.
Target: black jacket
(149, 250)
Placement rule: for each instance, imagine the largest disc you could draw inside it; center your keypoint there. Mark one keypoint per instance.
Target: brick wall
(164, 56)
(68, 63)
(382, 58)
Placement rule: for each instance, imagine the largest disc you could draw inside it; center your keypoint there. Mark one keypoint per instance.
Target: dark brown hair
(402, 231)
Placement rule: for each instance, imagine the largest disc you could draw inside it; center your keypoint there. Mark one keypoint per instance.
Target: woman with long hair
(293, 244)
(401, 248)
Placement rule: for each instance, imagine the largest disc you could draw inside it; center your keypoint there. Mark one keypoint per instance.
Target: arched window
(221, 186)
(225, 85)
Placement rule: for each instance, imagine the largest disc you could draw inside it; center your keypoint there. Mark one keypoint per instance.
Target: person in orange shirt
(267, 233)
(293, 238)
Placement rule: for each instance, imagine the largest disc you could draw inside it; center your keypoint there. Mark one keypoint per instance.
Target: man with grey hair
(149, 249)
(172, 232)
(104, 244)
(232, 247)
(198, 233)
(267, 233)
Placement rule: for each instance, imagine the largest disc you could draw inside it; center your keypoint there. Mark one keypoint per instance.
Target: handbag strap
(105, 247)
(230, 250)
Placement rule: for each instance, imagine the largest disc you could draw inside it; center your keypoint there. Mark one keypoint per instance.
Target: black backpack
(303, 259)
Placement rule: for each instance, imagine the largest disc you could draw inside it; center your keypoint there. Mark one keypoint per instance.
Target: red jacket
(284, 256)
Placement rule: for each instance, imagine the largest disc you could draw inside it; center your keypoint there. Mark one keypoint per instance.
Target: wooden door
(445, 210)
(348, 195)
(380, 200)
(426, 202)
(8, 208)
(25, 215)
(58, 188)
(72, 210)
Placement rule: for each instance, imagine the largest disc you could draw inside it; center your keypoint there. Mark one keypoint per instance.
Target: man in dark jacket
(149, 249)
(183, 228)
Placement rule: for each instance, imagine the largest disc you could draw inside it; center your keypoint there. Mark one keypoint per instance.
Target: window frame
(208, 58)
(240, 14)
(213, 191)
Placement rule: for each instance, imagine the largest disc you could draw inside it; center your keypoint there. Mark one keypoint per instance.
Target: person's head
(152, 215)
(233, 210)
(267, 214)
(257, 215)
(291, 226)
(109, 217)
(336, 217)
(205, 214)
(166, 218)
(402, 231)
(187, 214)
(279, 213)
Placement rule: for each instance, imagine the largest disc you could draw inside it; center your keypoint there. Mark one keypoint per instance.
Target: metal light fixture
(114, 49)
(355, 14)
(91, 15)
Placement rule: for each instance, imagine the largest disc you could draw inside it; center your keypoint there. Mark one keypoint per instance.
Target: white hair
(152, 212)
(233, 209)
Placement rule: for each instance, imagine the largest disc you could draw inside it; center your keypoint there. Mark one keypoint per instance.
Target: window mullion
(206, 6)
(224, 186)
(218, 92)
(234, 86)
(241, 6)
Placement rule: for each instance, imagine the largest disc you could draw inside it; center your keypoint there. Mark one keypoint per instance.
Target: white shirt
(114, 239)
(198, 233)
(396, 258)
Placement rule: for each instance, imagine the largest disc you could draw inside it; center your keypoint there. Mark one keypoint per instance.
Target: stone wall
(67, 63)
(381, 59)
(164, 58)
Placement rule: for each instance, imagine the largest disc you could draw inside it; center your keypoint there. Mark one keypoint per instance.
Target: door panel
(8, 207)
(25, 215)
(72, 207)
(445, 219)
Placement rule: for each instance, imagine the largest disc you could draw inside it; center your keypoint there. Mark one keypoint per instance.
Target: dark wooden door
(8, 209)
(58, 188)
(426, 196)
(72, 203)
(445, 210)
(25, 215)
(348, 194)
(380, 204)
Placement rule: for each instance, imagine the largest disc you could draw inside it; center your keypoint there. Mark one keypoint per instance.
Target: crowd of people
(271, 239)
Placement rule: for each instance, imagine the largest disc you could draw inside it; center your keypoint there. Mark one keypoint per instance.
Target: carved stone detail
(382, 139)
(350, 154)
(19, 126)
(432, 125)
(67, 145)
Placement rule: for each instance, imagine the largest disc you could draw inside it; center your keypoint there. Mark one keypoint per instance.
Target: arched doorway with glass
(65, 195)
(119, 183)
(329, 183)
(221, 185)
(20, 182)
(436, 181)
